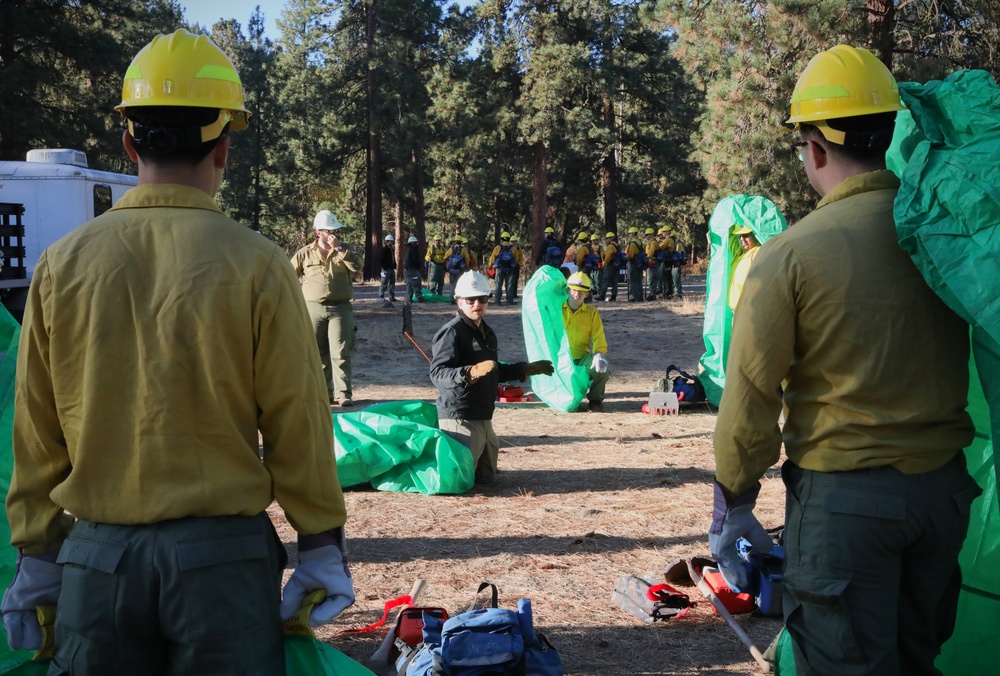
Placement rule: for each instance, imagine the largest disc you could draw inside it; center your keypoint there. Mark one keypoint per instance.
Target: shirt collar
(882, 179)
(166, 195)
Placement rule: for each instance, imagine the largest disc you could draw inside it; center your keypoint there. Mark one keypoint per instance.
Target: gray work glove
(732, 520)
(322, 567)
(37, 582)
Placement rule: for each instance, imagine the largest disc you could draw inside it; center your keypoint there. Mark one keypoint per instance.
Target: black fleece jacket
(458, 345)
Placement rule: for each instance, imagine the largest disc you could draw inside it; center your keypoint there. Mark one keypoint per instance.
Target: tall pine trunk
(373, 228)
(610, 178)
(539, 193)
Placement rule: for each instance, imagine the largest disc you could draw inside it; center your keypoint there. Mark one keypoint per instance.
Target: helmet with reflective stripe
(579, 281)
(843, 81)
(186, 70)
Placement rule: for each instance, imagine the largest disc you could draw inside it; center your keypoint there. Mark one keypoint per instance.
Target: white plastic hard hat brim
(390, 238)
(412, 240)
(472, 284)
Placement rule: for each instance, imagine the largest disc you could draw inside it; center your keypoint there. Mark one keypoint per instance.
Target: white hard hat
(471, 285)
(412, 240)
(325, 220)
(390, 238)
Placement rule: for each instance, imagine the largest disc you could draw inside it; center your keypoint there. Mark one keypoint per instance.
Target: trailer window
(102, 199)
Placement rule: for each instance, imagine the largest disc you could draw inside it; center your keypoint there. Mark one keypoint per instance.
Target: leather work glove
(538, 368)
(599, 362)
(37, 583)
(477, 371)
(730, 522)
(324, 567)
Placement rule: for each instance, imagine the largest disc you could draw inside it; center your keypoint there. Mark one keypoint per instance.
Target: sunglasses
(482, 300)
(797, 148)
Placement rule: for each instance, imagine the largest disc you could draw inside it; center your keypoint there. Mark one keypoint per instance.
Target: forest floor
(581, 499)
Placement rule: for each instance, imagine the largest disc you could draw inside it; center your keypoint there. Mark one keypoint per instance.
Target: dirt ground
(581, 499)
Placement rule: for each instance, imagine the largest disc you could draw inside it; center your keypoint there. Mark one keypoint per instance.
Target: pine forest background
(419, 117)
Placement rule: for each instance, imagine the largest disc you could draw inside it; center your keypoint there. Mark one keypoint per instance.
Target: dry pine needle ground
(582, 499)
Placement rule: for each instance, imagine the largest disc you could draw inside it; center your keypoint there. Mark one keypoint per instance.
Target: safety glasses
(797, 148)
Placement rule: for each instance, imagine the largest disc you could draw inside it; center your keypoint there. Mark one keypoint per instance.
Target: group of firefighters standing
(652, 266)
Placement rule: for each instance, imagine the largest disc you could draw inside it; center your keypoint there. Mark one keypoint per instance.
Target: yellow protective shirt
(437, 254)
(585, 330)
(740, 276)
(834, 306)
(326, 278)
(609, 254)
(652, 246)
(157, 340)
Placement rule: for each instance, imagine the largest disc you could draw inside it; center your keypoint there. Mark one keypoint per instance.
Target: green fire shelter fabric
(397, 447)
(433, 297)
(304, 655)
(545, 338)
(760, 215)
(945, 152)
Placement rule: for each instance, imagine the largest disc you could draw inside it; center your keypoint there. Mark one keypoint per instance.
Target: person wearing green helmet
(159, 339)
(837, 326)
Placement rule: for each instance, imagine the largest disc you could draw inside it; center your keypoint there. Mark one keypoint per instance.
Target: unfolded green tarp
(433, 297)
(945, 152)
(545, 338)
(398, 447)
(760, 215)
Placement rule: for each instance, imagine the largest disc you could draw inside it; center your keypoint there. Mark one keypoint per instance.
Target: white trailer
(42, 199)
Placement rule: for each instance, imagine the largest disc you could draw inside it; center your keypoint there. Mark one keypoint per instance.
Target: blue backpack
(591, 262)
(505, 261)
(679, 258)
(485, 641)
(553, 256)
(456, 261)
(620, 258)
(641, 260)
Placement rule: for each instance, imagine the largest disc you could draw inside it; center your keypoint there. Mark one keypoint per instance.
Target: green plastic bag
(947, 216)
(760, 215)
(305, 656)
(545, 338)
(433, 297)
(397, 447)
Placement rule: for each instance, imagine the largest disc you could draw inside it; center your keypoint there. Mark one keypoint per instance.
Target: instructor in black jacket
(466, 370)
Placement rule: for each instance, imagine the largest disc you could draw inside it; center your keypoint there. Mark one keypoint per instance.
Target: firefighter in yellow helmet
(650, 248)
(551, 251)
(878, 494)
(586, 259)
(158, 339)
(664, 260)
(635, 255)
(751, 247)
(613, 260)
(518, 262)
(503, 260)
(585, 333)
(437, 254)
(457, 263)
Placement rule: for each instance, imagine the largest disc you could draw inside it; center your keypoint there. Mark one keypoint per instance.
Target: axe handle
(724, 613)
(379, 661)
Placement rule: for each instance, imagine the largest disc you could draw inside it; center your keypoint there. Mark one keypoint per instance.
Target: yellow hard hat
(549, 231)
(633, 230)
(743, 231)
(186, 70)
(843, 81)
(437, 238)
(610, 234)
(579, 281)
(504, 235)
(650, 231)
(514, 238)
(663, 231)
(594, 237)
(582, 237)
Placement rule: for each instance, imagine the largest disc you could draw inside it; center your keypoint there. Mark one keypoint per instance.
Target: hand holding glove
(536, 368)
(37, 582)
(325, 568)
(599, 362)
(477, 371)
(731, 521)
